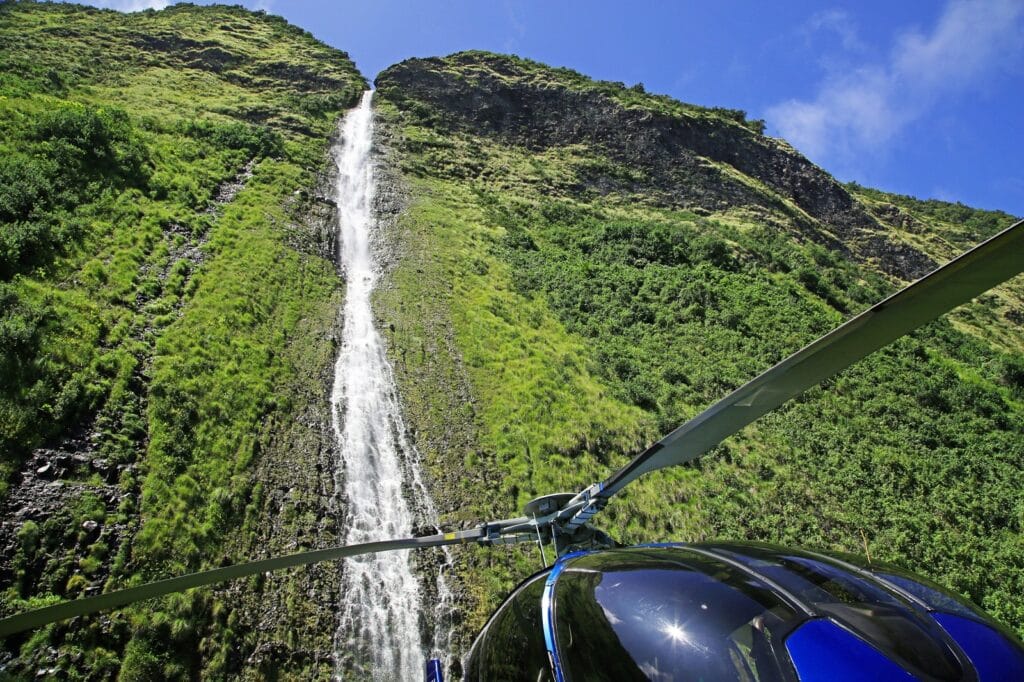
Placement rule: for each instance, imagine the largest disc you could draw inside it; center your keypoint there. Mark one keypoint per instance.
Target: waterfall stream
(379, 633)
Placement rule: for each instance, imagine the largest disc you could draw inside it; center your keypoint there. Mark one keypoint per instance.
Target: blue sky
(921, 98)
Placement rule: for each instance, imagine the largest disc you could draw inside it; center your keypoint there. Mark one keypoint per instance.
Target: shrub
(140, 662)
(19, 334)
(76, 583)
(28, 537)
(91, 143)
(25, 184)
(70, 155)
(1013, 374)
(258, 141)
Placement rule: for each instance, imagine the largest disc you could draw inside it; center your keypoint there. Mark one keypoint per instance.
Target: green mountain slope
(591, 265)
(167, 302)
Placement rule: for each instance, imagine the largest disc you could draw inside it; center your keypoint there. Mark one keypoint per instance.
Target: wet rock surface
(293, 615)
(52, 481)
(440, 387)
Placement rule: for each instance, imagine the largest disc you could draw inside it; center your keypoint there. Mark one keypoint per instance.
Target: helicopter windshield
(665, 615)
(512, 647)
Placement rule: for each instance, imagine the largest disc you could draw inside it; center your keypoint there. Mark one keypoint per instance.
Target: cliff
(689, 157)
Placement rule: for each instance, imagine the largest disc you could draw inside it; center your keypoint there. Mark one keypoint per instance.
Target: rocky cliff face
(682, 152)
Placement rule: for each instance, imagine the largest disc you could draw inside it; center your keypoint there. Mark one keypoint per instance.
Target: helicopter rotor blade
(974, 272)
(487, 533)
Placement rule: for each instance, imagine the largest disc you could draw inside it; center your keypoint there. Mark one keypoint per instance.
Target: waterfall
(379, 634)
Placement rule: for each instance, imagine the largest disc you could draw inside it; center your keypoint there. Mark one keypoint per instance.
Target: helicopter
(719, 610)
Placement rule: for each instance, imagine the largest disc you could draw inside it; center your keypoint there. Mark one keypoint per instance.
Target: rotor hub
(546, 504)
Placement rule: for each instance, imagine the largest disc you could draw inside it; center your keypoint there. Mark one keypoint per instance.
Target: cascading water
(379, 633)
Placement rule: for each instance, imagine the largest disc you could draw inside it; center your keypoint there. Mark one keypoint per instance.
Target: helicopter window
(872, 612)
(664, 615)
(511, 648)
(930, 594)
(822, 650)
(985, 641)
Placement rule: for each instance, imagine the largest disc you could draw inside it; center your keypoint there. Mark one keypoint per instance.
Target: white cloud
(835, 21)
(970, 37)
(516, 25)
(865, 108)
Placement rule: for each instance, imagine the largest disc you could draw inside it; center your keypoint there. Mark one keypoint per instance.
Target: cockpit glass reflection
(670, 616)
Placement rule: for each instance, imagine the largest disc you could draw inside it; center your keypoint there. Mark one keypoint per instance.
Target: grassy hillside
(591, 297)
(166, 301)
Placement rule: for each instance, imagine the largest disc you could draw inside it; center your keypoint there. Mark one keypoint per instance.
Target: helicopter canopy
(736, 611)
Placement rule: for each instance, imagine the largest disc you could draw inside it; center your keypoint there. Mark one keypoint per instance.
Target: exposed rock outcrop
(680, 155)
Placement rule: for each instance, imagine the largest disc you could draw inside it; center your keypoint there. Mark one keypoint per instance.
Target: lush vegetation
(160, 298)
(586, 326)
